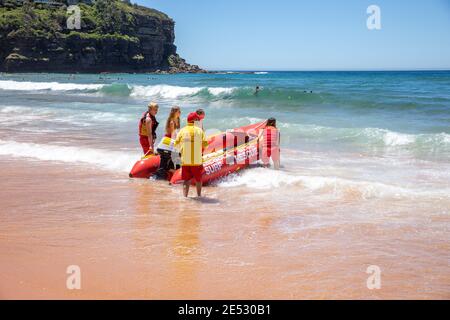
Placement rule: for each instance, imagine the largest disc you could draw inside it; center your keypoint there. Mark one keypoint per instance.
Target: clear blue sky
(310, 35)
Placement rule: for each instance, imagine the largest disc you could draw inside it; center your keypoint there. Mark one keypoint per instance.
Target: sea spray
(46, 86)
(285, 181)
(117, 161)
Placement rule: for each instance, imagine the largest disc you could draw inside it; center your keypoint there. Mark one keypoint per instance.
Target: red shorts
(192, 172)
(267, 153)
(144, 144)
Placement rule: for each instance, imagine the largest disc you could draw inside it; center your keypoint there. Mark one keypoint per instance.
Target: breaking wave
(281, 97)
(46, 86)
(264, 179)
(103, 159)
(173, 92)
(15, 115)
(370, 136)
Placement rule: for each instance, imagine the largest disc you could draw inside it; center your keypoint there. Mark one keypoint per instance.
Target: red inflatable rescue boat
(226, 153)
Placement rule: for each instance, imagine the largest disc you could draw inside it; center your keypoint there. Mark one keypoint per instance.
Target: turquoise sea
(392, 119)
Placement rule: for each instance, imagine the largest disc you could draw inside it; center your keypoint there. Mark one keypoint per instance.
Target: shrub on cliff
(112, 17)
(104, 17)
(114, 36)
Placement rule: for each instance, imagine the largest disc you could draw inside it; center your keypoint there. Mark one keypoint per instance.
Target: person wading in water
(147, 128)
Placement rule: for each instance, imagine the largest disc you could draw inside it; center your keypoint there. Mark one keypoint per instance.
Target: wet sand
(141, 240)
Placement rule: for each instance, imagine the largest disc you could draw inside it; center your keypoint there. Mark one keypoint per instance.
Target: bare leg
(186, 185)
(276, 164)
(199, 188)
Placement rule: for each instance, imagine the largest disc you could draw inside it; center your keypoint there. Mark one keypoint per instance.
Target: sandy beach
(128, 245)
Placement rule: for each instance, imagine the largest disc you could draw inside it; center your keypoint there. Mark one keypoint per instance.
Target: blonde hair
(153, 105)
(171, 118)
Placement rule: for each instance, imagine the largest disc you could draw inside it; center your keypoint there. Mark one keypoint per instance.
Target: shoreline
(203, 72)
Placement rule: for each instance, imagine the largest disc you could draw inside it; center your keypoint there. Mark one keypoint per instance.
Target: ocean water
(389, 118)
(365, 175)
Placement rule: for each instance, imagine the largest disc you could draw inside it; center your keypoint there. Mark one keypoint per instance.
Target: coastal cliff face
(115, 36)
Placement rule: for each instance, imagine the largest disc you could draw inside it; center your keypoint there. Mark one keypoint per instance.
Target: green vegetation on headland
(113, 36)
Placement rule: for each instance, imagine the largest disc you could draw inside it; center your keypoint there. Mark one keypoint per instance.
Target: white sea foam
(232, 123)
(265, 179)
(13, 109)
(261, 72)
(51, 86)
(103, 159)
(155, 91)
(163, 91)
(12, 115)
(442, 139)
(173, 92)
(389, 138)
(219, 91)
(398, 139)
(393, 139)
(257, 178)
(369, 136)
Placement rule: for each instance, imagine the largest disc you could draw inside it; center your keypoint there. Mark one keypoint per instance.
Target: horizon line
(327, 70)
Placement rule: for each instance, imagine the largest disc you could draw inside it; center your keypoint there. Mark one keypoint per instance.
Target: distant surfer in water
(257, 89)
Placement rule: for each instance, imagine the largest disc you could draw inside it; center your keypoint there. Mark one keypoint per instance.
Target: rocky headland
(114, 36)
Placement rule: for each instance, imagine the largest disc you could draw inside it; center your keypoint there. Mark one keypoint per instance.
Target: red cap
(192, 117)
